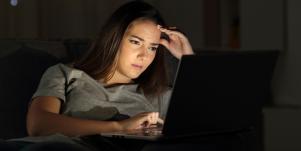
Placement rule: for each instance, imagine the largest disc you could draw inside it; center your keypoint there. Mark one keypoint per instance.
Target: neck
(116, 79)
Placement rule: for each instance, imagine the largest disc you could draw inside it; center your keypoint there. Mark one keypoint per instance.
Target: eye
(134, 42)
(153, 48)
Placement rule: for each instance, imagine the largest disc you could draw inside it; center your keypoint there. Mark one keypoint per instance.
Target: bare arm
(43, 118)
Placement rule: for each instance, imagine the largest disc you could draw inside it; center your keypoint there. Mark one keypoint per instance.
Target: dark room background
(209, 24)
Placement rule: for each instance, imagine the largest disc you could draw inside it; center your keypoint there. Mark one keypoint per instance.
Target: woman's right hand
(178, 44)
(141, 120)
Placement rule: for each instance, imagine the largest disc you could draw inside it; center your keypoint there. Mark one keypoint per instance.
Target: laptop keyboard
(150, 131)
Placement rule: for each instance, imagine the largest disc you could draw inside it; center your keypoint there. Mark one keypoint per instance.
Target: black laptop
(214, 93)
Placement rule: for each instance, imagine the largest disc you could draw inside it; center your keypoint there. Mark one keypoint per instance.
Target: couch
(22, 63)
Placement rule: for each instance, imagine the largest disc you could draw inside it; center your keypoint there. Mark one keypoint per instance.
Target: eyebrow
(141, 39)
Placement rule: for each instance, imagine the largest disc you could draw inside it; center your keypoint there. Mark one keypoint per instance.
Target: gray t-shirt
(84, 97)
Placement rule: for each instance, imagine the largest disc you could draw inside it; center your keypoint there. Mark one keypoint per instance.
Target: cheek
(125, 52)
(151, 58)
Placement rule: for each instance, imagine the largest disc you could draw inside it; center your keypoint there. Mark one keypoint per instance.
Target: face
(137, 50)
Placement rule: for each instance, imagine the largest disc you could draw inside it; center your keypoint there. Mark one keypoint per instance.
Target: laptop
(214, 93)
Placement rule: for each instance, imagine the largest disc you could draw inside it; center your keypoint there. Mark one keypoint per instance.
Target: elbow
(32, 133)
(41, 116)
(32, 129)
(35, 126)
(37, 131)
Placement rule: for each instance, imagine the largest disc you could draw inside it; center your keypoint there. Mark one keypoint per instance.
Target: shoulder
(62, 70)
(57, 79)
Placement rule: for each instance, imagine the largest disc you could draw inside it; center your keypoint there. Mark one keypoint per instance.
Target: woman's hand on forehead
(178, 44)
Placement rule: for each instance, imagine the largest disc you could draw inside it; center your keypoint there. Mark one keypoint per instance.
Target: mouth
(137, 66)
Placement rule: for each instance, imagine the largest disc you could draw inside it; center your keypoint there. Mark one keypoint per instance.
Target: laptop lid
(216, 92)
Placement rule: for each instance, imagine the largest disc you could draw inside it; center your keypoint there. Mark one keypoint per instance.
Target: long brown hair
(100, 61)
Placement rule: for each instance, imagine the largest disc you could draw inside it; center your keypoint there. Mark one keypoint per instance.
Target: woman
(120, 84)
(125, 56)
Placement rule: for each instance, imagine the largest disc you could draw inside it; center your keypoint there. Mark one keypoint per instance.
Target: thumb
(144, 121)
(160, 121)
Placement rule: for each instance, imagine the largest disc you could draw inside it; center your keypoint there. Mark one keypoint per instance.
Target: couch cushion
(20, 74)
(8, 46)
(55, 48)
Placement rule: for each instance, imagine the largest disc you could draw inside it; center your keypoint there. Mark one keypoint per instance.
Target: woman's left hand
(178, 43)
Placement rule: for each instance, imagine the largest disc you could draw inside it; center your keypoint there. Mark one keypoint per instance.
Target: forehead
(144, 29)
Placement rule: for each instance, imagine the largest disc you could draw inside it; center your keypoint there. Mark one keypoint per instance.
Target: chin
(134, 76)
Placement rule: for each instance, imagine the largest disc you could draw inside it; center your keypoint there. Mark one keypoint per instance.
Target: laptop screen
(219, 92)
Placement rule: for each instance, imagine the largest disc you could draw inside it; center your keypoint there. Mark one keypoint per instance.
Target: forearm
(46, 123)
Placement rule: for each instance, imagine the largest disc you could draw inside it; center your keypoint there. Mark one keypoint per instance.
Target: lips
(137, 66)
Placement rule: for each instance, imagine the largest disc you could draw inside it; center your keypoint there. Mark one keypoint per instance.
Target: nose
(143, 52)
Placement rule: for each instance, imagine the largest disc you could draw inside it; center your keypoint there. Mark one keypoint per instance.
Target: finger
(159, 26)
(173, 32)
(160, 121)
(147, 119)
(157, 116)
(144, 123)
(144, 118)
(164, 42)
(165, 31)
(153, 118)
(167, 27)
(177, 33)
(173, 37)
(149, 122)
(171, 28)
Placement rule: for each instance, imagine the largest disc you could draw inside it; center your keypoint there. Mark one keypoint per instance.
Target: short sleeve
(52, 83)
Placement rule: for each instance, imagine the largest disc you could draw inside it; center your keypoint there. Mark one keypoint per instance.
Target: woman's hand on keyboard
(141, 120)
